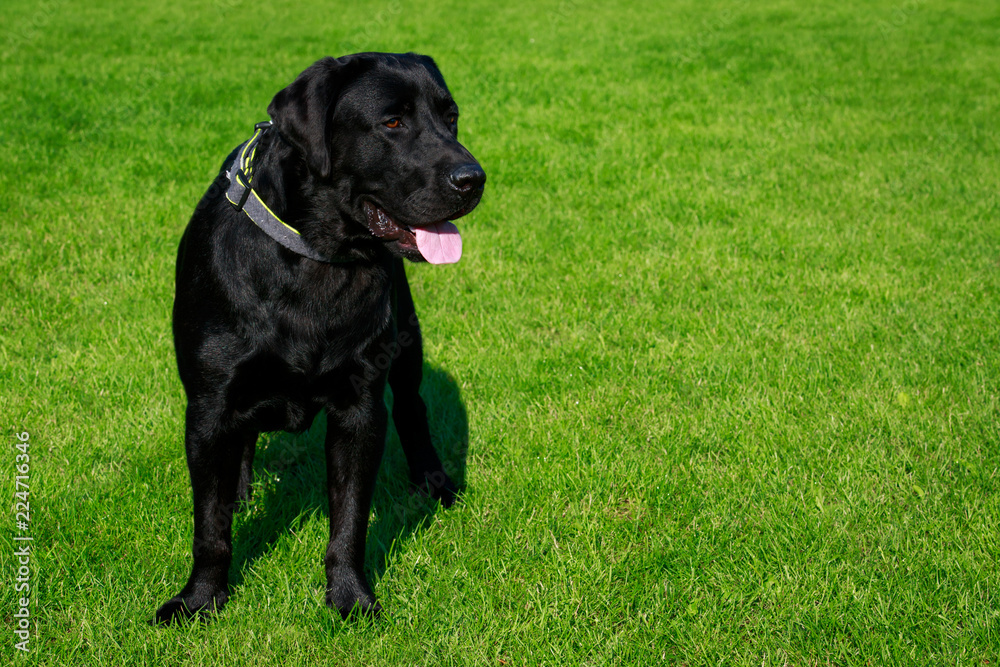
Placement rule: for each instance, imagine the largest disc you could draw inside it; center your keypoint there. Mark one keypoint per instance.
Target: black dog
(291, 298)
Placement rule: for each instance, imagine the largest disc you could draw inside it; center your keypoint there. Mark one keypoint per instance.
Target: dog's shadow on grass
(290, 484)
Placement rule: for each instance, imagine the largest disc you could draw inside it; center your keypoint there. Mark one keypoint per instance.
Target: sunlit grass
(719, 367)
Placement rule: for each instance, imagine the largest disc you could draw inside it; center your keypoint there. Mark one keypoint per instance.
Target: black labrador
(291, 298)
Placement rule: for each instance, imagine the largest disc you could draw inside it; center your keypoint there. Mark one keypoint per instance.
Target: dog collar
(242, 195)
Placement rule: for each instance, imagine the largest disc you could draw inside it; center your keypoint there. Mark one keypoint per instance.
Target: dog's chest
(311, 353)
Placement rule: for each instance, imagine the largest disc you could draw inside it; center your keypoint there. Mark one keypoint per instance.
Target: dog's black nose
(468, 177)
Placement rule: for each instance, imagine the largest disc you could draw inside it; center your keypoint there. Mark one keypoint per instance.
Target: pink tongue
(439, 243)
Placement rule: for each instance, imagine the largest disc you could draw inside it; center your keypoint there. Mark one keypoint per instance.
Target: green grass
(719, 367)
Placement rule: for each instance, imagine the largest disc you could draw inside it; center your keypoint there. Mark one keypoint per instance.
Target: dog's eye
(393, 123)
(452, 119)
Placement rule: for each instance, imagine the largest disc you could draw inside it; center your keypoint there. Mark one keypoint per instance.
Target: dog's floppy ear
(302, 111)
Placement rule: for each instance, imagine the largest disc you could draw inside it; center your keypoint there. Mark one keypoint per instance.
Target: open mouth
(437, 242)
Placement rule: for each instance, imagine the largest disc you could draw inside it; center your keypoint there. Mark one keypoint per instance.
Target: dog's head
(382, 131)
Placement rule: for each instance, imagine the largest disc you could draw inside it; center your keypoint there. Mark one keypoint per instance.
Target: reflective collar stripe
(242, 195)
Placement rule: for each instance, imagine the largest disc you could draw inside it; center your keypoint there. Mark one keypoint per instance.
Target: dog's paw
(351, 597)
(437, 485)
(181, 608)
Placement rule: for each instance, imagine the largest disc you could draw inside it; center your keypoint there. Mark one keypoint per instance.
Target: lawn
(718, 370)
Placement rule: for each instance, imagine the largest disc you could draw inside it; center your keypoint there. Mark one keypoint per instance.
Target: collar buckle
(254, 207)
(241, 177)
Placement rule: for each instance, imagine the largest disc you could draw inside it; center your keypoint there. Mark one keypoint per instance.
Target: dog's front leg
(214, 464)
(409, 413)
(355, 439)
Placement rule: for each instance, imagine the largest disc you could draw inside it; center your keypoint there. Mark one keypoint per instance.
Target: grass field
(719, 368)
